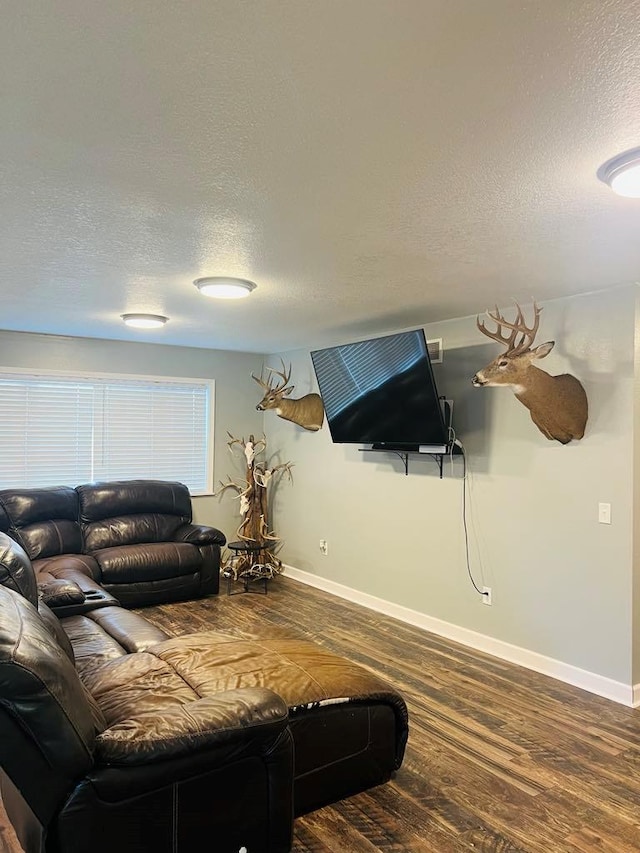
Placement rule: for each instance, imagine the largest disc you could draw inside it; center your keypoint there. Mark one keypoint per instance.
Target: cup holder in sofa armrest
(66, 598)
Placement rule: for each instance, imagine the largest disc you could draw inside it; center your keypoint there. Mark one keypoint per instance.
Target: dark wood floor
(499, 758)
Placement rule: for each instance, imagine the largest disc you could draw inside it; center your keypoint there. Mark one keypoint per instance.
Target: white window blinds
(65, 430)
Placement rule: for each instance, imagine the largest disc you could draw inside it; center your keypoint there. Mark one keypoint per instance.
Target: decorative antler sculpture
(557, 404)
(253, 495)
(307, 411)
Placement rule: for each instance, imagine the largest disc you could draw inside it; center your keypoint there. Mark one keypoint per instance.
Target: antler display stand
(254, 554)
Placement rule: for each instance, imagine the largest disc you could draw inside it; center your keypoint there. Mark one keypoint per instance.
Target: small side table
(245, 551)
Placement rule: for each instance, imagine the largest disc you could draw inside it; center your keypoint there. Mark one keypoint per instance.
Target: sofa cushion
(107, 634)
(132, 529)
(131, 497)
(92, 645)
(28, 506)
(302, 672)
(75, 567)
(148, 561)
(44, 521)
(132, 631)
(132, 512)
(203, 724)
(315, 683)
(50, 538)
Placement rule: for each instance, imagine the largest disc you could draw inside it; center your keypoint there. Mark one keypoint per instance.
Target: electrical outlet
(486, 596)
(324, 547)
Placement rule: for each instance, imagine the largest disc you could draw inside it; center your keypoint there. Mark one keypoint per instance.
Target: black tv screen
(381, 391)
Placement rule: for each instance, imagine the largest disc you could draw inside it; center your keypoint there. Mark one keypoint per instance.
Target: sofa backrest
(16, 571)
(44, 521)
(48, 724)
(128, 512)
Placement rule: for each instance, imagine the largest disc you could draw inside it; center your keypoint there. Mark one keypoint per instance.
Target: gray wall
(563, 585)
(562, 582)
(236, 393)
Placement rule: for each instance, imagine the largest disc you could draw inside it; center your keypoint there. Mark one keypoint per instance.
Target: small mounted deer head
(557, 404)
(307, 412)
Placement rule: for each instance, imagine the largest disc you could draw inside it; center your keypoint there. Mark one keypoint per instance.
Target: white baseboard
(623, 694)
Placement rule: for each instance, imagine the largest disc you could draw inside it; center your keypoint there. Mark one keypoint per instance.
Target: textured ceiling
(370, 164)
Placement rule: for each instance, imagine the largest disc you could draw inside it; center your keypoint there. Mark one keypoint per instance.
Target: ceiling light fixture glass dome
(622, 173)
(144, 321)
(223, 287)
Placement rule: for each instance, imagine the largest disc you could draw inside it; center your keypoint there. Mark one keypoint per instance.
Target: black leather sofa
(130, 539)
(117, 737)
(147, 762)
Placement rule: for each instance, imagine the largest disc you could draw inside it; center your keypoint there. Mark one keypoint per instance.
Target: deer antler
(519, 327)
(230, 484)
(265, 534)
(234, 440)
(260, 445)
(262, 476)
(261, 382)
(283, 374)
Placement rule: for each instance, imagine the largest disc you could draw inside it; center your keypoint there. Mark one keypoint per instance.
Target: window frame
(151, 379)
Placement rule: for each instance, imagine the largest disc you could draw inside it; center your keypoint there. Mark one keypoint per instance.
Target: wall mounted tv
(382, 392)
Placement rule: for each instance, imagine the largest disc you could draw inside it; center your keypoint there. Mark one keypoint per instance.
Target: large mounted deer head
(557, 404)
(307, 412)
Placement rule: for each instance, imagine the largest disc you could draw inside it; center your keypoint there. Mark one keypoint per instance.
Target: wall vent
(435, 351)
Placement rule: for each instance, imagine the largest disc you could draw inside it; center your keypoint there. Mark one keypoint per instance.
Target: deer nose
(259, 408)
(477, 381)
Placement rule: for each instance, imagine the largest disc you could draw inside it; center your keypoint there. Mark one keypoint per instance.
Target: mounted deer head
(557, 404)
(307, 412)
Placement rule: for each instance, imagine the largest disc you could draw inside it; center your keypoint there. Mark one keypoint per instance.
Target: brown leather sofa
(131, 539)
(145, 762)
(116, 737)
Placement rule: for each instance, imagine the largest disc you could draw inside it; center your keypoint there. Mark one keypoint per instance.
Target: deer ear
(543, 349)
(288, 390)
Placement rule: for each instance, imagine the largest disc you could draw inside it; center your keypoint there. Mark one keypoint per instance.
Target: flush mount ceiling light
(144, 321)
(622, 173)
(221, 287)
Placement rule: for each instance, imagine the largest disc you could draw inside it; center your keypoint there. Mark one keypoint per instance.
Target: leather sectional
(116, 736)
(134, 538)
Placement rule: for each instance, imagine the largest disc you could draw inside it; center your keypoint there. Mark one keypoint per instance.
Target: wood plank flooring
(499, 759)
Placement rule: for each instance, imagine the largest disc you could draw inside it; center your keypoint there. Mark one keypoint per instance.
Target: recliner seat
(133, 539)
(165, 770)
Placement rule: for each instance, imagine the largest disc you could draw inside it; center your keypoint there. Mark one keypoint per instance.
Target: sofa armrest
(67, 598)
(200, 534)
(60, 593)
(220, 767)
(243, 716)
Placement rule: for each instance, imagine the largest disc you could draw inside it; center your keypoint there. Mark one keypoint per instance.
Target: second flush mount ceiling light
(144, 321)
(222, 287)
(622, 173)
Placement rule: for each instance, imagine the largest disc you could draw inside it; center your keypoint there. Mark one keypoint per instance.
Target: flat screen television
(382, 392)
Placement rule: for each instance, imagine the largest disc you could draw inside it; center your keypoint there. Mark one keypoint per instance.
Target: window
(65, 430)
